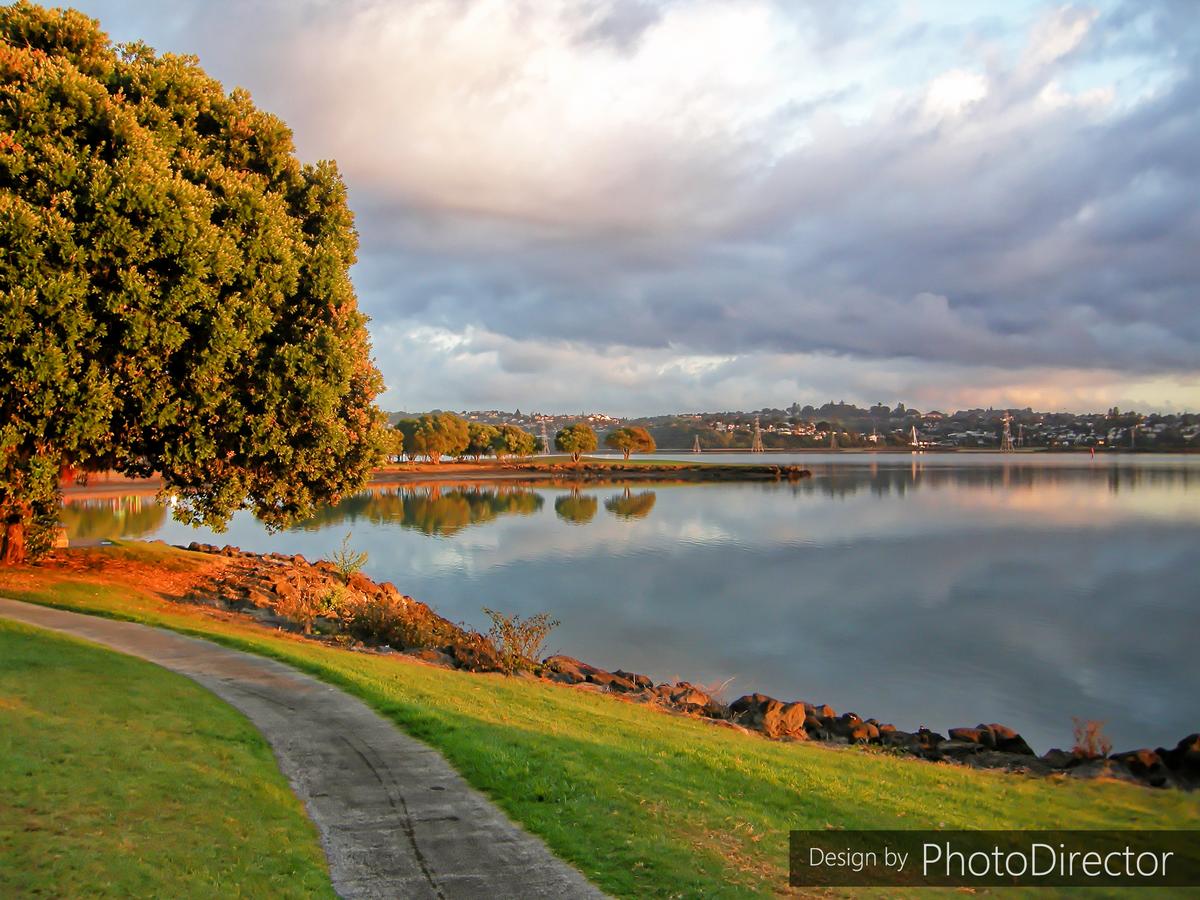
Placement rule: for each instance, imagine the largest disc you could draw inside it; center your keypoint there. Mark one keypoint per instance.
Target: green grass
(118, 778)
(648, 804)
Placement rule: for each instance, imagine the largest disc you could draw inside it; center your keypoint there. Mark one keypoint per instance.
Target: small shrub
(347, 561)
(307, 604)
(1090, 740)
(385, 619)
(520, 643)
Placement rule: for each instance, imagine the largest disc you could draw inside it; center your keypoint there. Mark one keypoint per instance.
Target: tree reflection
(112, 518)
(429, 509)
(630, 505)
(576, 508)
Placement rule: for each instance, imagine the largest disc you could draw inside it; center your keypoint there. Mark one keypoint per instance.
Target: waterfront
(931, 589)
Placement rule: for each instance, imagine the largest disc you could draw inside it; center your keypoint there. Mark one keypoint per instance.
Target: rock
(568, 668)
(611, 681)
(1059, 759)
(1012, 762)
(361, 583)
(474, 656)
(748, 702)
(1145, 765)
(785, 719)
(1008, 741)
(862, 733)
(431, 655)
(953, 749)
(770, 716)
(823, 711)
(1100, 768)
(642, 681)
(1184, 757)
(903, 740)
(973, 736)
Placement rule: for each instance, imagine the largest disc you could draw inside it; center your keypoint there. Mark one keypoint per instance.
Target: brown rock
(642, 681)
(1144, 764)
(474, 656)
(431, 655)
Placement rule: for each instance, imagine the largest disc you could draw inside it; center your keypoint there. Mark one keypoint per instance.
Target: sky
(649, 206)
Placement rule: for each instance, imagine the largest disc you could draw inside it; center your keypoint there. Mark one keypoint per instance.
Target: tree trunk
(627, 452)
(13, 551)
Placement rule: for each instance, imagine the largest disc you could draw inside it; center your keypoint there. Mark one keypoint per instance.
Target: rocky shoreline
(377, 618)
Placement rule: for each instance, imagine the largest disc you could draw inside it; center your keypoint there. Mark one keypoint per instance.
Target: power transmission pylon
(696, 445)
(1006, 441)
(545, 440)
(756, 445)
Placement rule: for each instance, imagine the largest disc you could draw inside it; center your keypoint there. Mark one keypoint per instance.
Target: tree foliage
(576, 439)
(480, 436)
(434, 435)
(513, 441)
(631, 439)
(174, 288)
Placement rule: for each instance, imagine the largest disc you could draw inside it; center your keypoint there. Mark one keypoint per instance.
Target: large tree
(576, 439)
(174, 289)
(480, 436)
(513, 441)
(631, 439)
(434, 435)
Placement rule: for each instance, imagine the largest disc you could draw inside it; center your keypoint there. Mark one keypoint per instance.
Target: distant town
(846, 426)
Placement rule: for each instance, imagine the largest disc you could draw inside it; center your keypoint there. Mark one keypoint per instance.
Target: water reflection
(630, 505)
(576, 508)
(914, 590)
(429, 509)
(111, 518)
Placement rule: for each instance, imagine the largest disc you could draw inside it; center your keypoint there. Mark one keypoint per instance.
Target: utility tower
(757, 446)
(545, 440)
(1006, 441)
(696, 444)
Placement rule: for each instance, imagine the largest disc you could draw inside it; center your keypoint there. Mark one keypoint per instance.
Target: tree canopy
(480, 436)
(576, 439)
(174, 288)
(513, 441)
(631, 439)
(435, 435)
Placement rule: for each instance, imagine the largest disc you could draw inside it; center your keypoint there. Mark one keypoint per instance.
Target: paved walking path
(395, 820)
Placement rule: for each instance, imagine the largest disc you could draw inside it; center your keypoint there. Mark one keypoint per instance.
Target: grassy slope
(122, 779)
(648, 804)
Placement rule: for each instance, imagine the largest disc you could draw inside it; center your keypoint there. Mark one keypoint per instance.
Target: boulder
(1008, 741)
(973, 736)
(770, 716)
(432, 656)
(642, 681)
(780, 719)
(570, 670)
(903, 740)
(1184, 756)
(1145, 765)
(474, 656)
(1059, 759)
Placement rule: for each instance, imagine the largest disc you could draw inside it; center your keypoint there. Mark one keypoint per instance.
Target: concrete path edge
(395, 820)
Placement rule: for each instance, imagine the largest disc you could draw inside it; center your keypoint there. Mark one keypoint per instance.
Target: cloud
(991, 195)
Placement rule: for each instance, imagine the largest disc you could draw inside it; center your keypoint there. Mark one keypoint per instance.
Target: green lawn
(118, 778)
(647, 804)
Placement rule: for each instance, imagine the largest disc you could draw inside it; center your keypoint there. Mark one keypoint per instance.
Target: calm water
(939, 590)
